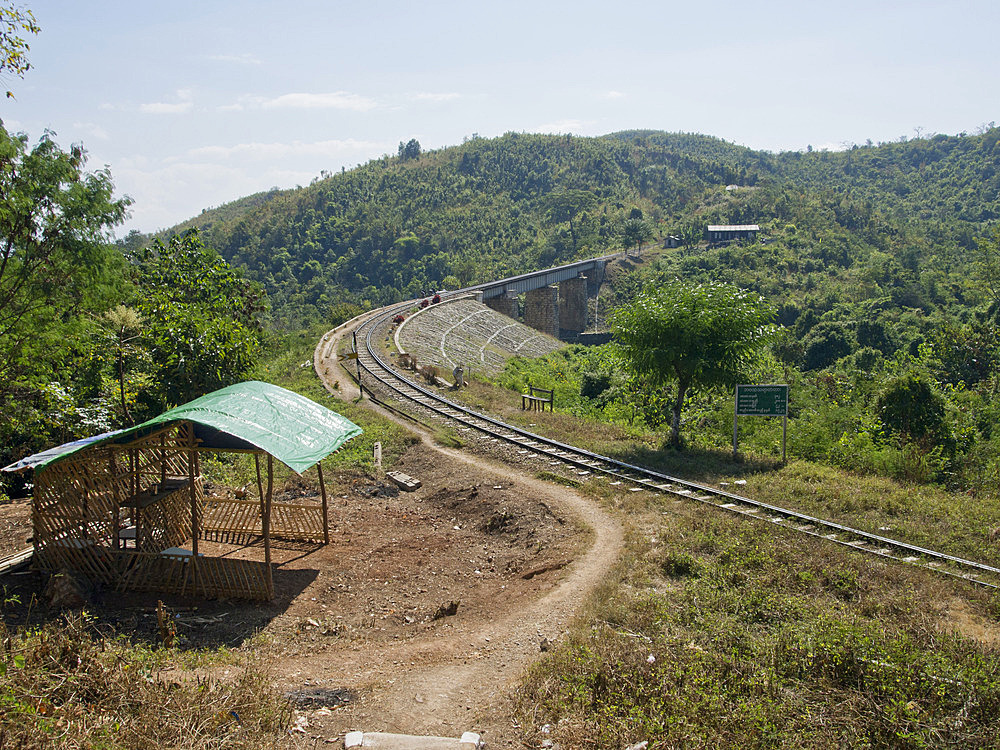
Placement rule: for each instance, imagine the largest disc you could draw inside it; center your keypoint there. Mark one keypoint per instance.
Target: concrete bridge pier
(573, 306)
(541, 310)
(505, 304)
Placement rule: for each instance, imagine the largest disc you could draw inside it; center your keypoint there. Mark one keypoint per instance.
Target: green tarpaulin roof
(296, 431)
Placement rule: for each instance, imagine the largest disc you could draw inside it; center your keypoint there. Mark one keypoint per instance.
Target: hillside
(396, 227)
(872, 258)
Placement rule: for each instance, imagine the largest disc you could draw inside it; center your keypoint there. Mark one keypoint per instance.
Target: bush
(910, 407)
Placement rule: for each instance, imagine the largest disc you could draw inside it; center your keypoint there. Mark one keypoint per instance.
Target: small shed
(128, 508)
(716, 233)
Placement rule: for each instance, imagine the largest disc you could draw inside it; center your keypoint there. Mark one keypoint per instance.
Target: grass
(63, 685)
(958, 523)
(713, 632)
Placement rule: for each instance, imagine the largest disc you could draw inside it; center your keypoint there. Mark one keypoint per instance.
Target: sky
(193, 104)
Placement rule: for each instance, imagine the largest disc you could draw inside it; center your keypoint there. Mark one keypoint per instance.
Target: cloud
(245, 59)
(334, 100)
(264, 151)
(427, 96)
(92, 129)
(183, 104)
(614, 95)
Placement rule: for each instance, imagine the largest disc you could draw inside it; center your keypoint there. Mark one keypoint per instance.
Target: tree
(124, 327)
(989, 262)
(695, 335)
(409, 150)
(566, 205)
(910, 407)
(15, 22)
(55, 247)
(203, 328)
(635, 232)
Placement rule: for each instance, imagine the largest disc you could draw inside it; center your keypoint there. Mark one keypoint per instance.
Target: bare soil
(419, 615)
(15, 526)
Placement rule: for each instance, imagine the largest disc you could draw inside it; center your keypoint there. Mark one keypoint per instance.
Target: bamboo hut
(128, 508)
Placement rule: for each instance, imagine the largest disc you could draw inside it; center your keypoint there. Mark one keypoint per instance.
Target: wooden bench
(530, 401)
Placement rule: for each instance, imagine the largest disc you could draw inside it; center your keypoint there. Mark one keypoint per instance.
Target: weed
(448, 438)
(549, 476)
(61, 685)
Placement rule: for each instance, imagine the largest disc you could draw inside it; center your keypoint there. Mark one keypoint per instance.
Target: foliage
(57, 268)
(698, 336)
(15, 22)
(203, 318)
(635, 231)
(909, 406)
(409, 150)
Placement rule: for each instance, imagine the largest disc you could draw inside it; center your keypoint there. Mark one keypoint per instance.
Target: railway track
(377, 372)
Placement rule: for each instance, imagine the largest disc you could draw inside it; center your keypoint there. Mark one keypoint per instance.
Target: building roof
(252, 415)
(733, 228)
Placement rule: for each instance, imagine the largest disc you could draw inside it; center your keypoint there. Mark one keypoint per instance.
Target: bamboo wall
(238, 521)
(81, 502)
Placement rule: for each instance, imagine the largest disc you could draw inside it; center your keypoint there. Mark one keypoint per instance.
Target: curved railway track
(379, 373)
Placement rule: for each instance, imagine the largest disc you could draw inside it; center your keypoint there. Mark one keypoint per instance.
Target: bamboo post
(116, 510)
(326, 506)
(266, 527)
(163, 456)
(260, 487)
(192, 457)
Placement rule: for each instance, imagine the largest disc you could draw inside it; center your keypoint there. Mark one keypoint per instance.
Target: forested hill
(399, 226)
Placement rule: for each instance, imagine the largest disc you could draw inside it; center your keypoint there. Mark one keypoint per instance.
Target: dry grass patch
(715, 632)
(63, 685)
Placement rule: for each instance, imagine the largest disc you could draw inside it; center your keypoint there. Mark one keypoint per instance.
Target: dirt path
(459, 677)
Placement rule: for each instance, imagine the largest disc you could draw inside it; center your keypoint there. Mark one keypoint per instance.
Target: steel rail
(650, 479)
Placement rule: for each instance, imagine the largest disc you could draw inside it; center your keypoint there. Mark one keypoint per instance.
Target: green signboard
(762, 400)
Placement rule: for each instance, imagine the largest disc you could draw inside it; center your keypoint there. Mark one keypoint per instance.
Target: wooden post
(163, 455)
(266, 526)
(784, 438)
(736, 413)
(116, 511)
(191, 457)
(326, 505)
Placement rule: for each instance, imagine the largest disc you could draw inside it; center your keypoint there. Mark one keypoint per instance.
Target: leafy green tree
(566, 205)
(203, 317)
(409, 150)
(825, 343)
(635, 232)
(989, 262)
(15, 22)
(697, 336)
(56, 256)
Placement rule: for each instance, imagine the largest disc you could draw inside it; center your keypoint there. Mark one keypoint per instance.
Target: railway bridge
(555, 300)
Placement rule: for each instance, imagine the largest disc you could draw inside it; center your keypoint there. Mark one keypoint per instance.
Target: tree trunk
(675, 420)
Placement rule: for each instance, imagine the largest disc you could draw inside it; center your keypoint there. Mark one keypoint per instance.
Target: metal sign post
(761, 401)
